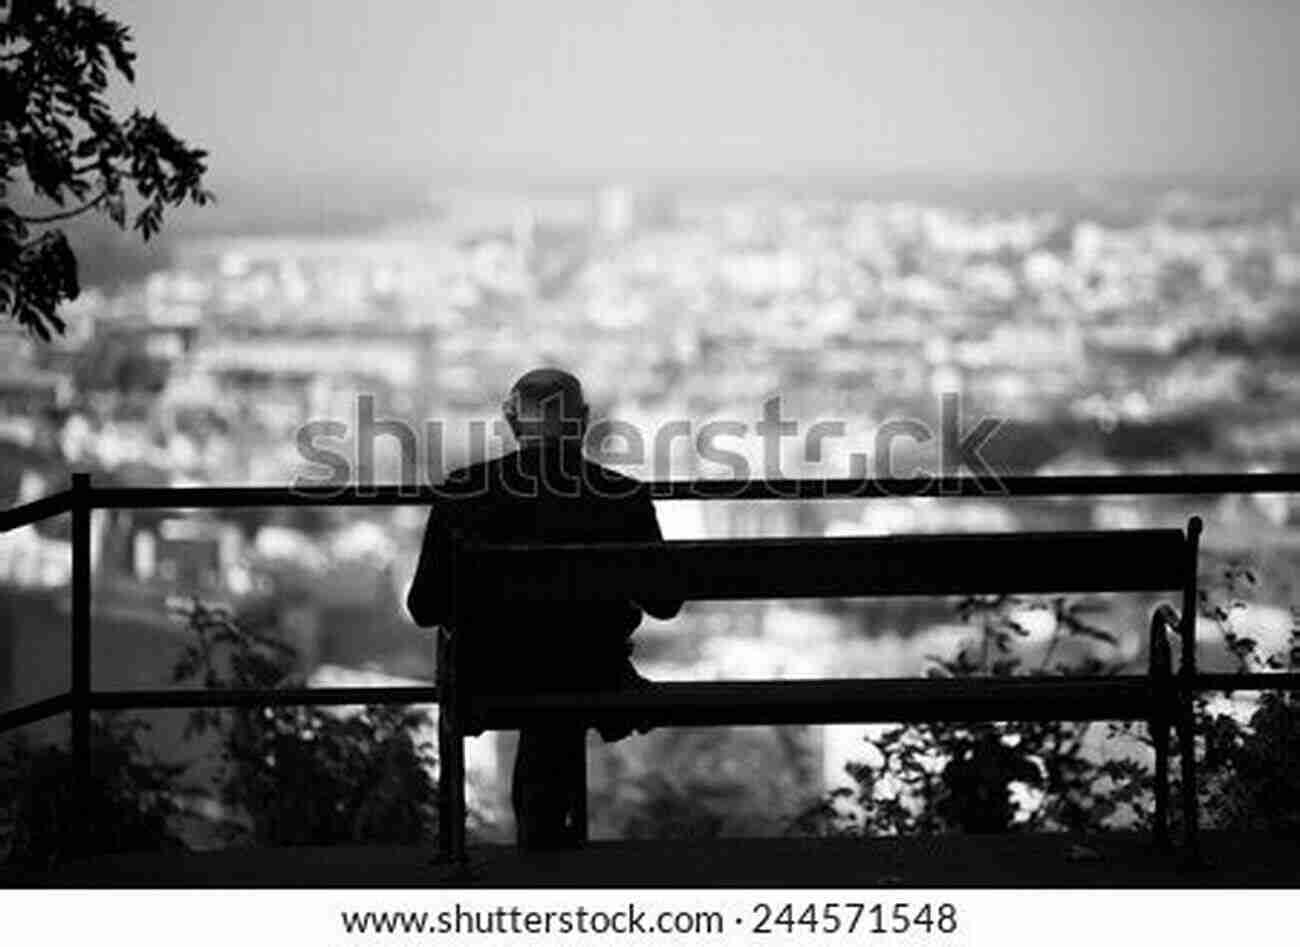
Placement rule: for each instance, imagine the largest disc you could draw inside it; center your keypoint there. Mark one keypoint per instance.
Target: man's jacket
(537, 494)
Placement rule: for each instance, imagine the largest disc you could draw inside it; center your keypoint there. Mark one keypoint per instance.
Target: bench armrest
(1165, 622)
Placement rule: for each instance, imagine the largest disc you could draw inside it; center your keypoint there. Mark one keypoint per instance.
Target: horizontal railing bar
(1243, 682)
(834, 489)
(181, 699)
(176, 498)
(52, 505)
(973, 487)
(34, 713)
(428, 694)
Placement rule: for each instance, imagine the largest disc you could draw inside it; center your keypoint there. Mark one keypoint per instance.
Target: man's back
(539, 494)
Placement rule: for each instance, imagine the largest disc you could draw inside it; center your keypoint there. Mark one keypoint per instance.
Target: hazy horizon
(577, 88)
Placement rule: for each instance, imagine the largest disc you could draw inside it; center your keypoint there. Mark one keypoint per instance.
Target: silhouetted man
(545, 491)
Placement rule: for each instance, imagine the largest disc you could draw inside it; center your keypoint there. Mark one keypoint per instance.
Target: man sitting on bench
(545, 491)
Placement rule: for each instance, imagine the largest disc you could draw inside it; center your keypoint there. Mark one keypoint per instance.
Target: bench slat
(946, 564)
(881, 700)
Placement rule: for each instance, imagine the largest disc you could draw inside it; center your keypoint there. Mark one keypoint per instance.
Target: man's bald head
(546, 404)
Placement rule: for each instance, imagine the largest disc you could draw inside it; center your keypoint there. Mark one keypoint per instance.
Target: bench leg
(451, 728)
(1187, 703)
(580, 827)
(444, 799)
(1158, 727)
(1164, 710)
(1190, 797)
(456, 774)
(451, 790)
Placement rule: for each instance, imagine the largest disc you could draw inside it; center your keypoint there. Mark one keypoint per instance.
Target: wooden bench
(1152, 560)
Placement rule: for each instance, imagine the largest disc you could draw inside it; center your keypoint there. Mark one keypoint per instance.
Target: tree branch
(63, 215)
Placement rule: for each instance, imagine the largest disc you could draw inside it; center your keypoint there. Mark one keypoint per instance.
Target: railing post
(80, 684)
(1187, 701)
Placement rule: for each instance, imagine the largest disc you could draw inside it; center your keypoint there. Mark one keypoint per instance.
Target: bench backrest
(1096, 561)
(945, 564)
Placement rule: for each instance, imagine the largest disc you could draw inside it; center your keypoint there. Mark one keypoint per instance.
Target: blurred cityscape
(1119, 330)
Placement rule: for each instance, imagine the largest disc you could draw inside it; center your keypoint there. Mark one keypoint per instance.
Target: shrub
(129, 804)
(307, 775)
(925, 778)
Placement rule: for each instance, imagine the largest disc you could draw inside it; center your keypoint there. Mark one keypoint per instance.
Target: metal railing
(84, 497)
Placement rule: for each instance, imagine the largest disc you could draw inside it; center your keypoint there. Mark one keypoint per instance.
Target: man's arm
(654, 602)
(428, 596)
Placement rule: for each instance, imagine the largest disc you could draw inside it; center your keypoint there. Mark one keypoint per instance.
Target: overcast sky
(604, 86)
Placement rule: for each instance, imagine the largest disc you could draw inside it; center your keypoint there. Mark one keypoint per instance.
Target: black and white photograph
(825, 466)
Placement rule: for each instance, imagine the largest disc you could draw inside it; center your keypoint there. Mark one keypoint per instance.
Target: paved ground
(1116, 860)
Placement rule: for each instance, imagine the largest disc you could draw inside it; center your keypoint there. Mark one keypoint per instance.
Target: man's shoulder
(613, 484)
(503, 475)
(469, 480)
(506, 475)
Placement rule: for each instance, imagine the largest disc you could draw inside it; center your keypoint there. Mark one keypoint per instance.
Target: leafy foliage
(306, 775)
(938, 777)
(60, 139)
(949, 777)
(291, 775)
(129, 805)
(1250, 770)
